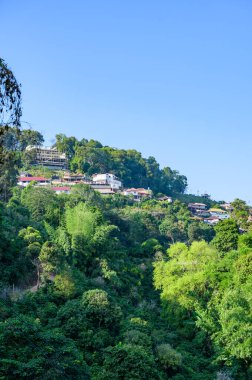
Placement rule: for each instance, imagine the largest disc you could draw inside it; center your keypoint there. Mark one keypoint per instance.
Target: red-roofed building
(61, 189)
(24, 181)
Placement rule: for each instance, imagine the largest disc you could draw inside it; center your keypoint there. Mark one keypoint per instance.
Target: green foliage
(200, 231)
(50, 258)
(227, 234)
(62, 239)
(29, 351)
(30, 137)
(100, 309)
(245, 242)
(69, 283)
(32, 239)
(109, 274)
(77, 278)
(128, 362)
(14, 262)
(191, 198)
(216, 290)
(184, 277)
(227, 319)
(81, 220)
(42, 204)
(10, 93)
(139, 338)
(10, 114)
(235, 310)
(9, 160)
(66, 144)
(240, 212)
(168, 357)
(81, 192)
(151, 246)
(175, 224)
(95, 262)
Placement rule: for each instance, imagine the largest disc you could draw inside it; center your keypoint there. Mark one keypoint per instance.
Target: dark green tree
(128, 362)
(227, 234)
(10, 114)
(30, 137)
(27, 351)
(240, 212)
(200, 231)
(10, 98)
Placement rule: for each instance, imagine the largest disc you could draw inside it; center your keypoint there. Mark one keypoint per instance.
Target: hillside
(98, 288)
(92, 157)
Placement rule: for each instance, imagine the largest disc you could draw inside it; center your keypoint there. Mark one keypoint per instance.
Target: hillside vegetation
(103, 288)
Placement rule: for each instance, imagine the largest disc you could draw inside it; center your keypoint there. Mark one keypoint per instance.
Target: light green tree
(184, 277)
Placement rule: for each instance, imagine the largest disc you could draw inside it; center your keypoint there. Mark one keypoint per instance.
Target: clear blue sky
(169, 78)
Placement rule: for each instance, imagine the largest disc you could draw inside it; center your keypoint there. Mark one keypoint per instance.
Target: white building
(107, 179)
(138, 194)
(197, 206)
(41, 181)
(212, 221)
(218, 213)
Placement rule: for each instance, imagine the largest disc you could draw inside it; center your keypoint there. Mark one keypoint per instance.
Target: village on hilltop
(105, 184)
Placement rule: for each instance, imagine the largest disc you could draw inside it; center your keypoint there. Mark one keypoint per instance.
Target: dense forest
(103, 288)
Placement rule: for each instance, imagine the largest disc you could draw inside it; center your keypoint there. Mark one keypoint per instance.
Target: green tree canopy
(227, 234)
(128, 362)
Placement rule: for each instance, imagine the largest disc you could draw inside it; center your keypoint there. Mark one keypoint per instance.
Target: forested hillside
(90, 157)
(103, 288)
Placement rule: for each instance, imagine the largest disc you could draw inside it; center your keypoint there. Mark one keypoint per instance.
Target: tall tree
(227, 234)
(10, 97)
(10, 114)
(30, 137)
(240, 212)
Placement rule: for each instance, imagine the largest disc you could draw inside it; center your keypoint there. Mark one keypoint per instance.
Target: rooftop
(31, 147)
(196, 204)
(61, 188)
(217, 210)
(29, 179)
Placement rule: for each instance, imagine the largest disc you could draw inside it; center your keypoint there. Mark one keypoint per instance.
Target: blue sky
(169, 78)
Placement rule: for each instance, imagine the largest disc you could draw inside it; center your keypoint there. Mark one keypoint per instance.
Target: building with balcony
(197, 206)
(49, 157)
(107, 179)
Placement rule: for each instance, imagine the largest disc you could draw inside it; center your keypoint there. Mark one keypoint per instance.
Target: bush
(138, 338)
(168, 356)
(127, 362)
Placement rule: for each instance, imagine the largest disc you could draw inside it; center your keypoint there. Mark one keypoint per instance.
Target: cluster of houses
(105, 184)
(210, 216)
(108, 184)
(50, 157)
